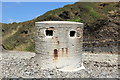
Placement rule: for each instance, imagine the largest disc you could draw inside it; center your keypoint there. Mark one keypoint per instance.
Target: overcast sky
(23, 11)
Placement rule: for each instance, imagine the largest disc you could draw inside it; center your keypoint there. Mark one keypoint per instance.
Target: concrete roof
(59, 22)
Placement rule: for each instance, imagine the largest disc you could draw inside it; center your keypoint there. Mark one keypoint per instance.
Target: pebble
(25, 67)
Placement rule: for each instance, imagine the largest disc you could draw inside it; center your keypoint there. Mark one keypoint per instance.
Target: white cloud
(13, 20)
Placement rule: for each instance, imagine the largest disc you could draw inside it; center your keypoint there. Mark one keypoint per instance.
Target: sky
(24, 11)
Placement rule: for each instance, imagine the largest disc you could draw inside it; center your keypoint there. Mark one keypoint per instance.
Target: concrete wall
(59, 50)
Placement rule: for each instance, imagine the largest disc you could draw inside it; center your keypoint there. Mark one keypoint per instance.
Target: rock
(96, 66)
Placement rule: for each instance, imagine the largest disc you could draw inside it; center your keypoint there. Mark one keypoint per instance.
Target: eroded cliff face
(104, 34)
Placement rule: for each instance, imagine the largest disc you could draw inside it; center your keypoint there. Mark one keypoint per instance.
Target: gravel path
(22, 64)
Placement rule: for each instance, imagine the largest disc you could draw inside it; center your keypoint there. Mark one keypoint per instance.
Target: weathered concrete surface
(59, 50)
(22, 64)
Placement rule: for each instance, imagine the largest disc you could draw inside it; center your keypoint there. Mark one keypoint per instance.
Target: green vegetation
(31, 48)
(76, 20)
(93, 13)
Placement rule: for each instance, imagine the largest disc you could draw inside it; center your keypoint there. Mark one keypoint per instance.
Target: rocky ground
(22, 64)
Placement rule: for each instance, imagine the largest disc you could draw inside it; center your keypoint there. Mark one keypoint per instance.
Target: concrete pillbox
(58, 44)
